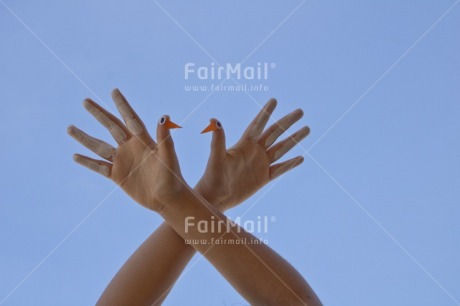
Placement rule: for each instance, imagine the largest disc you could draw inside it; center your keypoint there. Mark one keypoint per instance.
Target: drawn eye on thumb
(213, 125)
(166, 122)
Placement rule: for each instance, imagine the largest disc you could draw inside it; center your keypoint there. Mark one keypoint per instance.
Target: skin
(149, 172)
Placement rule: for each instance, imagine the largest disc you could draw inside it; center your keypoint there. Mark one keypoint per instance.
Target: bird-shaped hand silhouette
(233, 175)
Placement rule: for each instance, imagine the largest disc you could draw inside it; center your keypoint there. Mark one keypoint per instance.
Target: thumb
(164, 139)
(218, 148)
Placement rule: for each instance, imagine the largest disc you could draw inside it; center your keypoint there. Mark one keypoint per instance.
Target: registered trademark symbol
(273, 219)
(273, 65)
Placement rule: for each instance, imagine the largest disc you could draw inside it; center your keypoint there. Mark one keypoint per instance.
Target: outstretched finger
(257, 125)
(118, 130)
(281, 168)
(278, 128)
(98, 146)
(132, 120)
(98, 166)
(281, 148)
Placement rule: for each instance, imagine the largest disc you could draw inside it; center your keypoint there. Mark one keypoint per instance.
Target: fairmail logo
(228, 71)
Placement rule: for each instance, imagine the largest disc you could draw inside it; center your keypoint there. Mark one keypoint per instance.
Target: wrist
(168, 197)
(219, 204)
(182, 204)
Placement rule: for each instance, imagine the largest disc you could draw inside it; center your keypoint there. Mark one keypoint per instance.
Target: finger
(132, 120)
(98, 166)
(278, 128)
(281, 168)
(257, 125)
(164, 139)
(98, 146)
(281, 148)
(112, 123)
(218, 148)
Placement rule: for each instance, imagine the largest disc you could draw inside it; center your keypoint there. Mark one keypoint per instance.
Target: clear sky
(370, 218)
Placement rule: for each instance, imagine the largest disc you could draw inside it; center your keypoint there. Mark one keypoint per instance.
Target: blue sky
(370, 218)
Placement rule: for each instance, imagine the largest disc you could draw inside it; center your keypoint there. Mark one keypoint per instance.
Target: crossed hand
(149, 172)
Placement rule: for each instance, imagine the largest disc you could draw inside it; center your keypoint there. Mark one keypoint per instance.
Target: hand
(233, 175)
(147, 171)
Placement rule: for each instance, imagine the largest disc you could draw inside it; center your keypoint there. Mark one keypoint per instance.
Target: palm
(248, 167)
(133, 168)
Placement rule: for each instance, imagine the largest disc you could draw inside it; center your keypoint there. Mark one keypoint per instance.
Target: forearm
(148, 275)
(257, 272)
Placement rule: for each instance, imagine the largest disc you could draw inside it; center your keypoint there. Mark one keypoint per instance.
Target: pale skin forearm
(149, 274)
(147, 277)
(257, 272)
